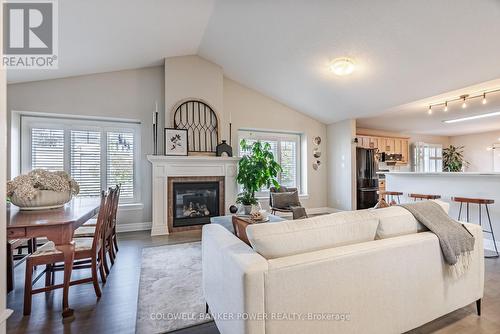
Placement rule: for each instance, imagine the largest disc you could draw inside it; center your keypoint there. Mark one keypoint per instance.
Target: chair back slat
(111, 223)
(102, 219)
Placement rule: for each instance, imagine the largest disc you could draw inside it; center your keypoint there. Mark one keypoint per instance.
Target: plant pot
(44, 199)
(247, 209)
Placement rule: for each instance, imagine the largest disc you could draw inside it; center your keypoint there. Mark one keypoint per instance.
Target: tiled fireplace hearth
(187, 191)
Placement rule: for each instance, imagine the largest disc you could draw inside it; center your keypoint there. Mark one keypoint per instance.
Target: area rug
(170, 289)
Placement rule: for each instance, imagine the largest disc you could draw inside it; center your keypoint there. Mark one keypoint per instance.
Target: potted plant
(256, 170)
(453, 159)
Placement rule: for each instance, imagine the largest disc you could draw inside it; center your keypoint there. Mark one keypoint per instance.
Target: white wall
(3, 180)
(341, 165)
(250, 109)
(127, 94)
(475, 149)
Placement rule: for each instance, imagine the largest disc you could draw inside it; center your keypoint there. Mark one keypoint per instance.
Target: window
(97, 154)
(428, 157)
(286, 151)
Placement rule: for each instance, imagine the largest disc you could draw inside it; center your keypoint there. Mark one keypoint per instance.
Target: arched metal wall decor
(201, 122)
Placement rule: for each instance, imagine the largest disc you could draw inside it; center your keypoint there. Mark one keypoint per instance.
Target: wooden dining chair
(89, 253)
(110, 239)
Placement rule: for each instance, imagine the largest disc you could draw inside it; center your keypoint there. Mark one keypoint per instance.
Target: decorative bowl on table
(44, 199)
(41, 190)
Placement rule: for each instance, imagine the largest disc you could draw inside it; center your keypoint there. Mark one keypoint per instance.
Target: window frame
(27, 122)
(278, 136)
(422, 163)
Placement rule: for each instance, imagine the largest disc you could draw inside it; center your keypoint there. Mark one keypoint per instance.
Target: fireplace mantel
(175, 166)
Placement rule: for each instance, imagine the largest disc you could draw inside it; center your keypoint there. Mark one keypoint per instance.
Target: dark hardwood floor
(115, 311)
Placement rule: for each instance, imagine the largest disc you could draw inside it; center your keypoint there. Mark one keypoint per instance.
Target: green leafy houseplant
(256, 170)
(453, 159)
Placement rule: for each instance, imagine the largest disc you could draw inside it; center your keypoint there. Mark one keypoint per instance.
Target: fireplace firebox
(193, 200)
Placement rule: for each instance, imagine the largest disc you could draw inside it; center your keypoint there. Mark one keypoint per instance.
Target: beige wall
(252, 110)
(125, 95)
(341, 165)
(132, 94)
(193, 77)
(475, 149)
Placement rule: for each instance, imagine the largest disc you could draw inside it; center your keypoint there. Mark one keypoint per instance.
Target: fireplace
(193, 200)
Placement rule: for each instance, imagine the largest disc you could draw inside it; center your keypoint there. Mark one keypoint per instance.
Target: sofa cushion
(274, 240)
(395, 221)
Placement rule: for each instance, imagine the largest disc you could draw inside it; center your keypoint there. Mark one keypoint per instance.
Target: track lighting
(463, 98)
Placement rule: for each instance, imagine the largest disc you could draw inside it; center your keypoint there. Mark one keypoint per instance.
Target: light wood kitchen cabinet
(389, 145)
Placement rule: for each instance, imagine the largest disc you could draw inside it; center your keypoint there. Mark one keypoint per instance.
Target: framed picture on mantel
(176, 141)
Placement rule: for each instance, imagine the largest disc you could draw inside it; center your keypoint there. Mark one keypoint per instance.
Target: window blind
(47, 149)
(86, 161)
(120, 162)
(288, 160)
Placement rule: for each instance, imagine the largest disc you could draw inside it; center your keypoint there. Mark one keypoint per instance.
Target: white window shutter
(47, 149)
(120, 162)
(85, 162)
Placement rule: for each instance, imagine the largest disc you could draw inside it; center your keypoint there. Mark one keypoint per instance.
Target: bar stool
(423, 196)
(389, 196)
(479, 201)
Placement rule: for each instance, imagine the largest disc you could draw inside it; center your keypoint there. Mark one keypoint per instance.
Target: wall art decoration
(176, 141)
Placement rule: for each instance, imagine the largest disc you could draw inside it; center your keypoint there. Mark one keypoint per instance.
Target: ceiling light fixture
(470, 118)
(464, 98)
(430, 110)
(342, 66)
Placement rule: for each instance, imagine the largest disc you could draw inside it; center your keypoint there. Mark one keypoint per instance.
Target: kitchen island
(448, 185)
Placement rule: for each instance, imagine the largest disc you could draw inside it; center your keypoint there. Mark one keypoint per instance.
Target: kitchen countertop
(443, 173)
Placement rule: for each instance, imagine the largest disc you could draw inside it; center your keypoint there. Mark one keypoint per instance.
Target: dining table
(58, 226)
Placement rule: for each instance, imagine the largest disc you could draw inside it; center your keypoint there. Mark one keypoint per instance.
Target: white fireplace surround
(169, 166)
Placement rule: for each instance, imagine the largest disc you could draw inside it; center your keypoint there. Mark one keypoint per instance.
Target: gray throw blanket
(455, 240)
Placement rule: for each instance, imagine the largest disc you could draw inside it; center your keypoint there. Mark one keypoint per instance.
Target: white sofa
(391, 283)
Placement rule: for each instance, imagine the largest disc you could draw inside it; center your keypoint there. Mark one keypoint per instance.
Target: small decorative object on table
(233, 209)
(176, 141)
(41, 189)
(224, 148)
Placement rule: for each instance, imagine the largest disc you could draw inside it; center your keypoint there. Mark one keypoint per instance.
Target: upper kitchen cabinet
(389, 145)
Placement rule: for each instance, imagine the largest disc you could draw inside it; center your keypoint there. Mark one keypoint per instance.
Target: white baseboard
(133, 227)
(488, 244)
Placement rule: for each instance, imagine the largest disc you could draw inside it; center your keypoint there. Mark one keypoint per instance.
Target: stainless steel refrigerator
(367, 178)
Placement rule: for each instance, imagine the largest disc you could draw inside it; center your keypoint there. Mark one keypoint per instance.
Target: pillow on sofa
(395, 221)
(284, 200)
(273, 240)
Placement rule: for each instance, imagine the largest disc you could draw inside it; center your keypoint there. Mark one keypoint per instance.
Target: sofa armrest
(233, 281)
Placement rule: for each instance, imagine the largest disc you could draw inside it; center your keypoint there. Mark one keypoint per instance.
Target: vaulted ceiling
(405, 50)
